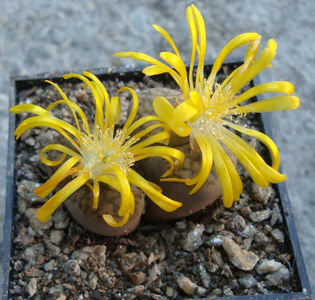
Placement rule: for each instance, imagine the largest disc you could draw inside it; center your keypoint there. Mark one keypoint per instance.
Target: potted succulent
(185, 245)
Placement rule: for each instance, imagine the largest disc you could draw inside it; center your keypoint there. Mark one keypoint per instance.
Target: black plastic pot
(26, 82)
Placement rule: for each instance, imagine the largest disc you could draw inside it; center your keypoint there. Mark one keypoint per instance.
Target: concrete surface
(45, 36)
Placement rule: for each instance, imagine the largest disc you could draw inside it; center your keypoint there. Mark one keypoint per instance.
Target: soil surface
(216, 252)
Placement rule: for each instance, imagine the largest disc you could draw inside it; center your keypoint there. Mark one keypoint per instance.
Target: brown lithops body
(154, 167)
(79, 206)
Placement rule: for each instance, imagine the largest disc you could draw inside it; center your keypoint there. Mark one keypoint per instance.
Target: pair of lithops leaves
(152, 168)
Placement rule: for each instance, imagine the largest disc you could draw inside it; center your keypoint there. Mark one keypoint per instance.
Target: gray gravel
(46, 36)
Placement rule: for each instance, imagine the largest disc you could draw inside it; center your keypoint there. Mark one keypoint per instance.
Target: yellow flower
(210, 112)
(101, 155)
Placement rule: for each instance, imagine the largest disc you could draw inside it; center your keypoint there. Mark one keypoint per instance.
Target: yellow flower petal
(254, 173)
(222, 173)
(283, 87)
(268, 142)
(150, 60)
(57, 147)
(76, 108)
(134, 107)
(206, 162)
(96, 193)
(98, 100)
(161, 151)
(185, 111)
(166, 35)
(155, 186)
(159, 199)
(189, 110)
(239, 41)
(55, 124)
(156, 138)
(177, 63)
(110, 220)
(141, 122)
(193, 36)
(271, 104)
(165, 111)
(114, 183)
(104, 95)
(147, 130)
(67, 102)
(155, 70)
(56, 178)
(267, 172)
(202, 44)
(263, 60)
(157, 150)
(125, 191)
(29, 108)
(251, 52)
(115, 111)
(235, 178)
(51, 205)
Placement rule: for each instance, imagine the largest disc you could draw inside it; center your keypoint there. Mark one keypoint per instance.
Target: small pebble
(261, 238)
(130, 260)
(217, 292)
(278, 235)
(93, 279)
(204, 275)
(268, 266)
(52, 250)
(271, 247)
(32, 287)
(248, 232)
(56, 236)
(137, 277)
(227, 292)
(138, 289)
(49, 266)
(201, 291)
(248, 281)
(262, 289)
(261, 194)
(194, 238)
(56, 290)
(246, 244)
(32, 253)
(95, 255)
(275, 215)
(279, 276)
(236, 223)
(186, 284)
(154, 274)
(25, 190)
(181, 226)
(216, 241)
(216, 257)
(259, 216)
(242, 259)
(210, 228)
(37, 226)
(169, 291)
(72, 267)
(61, 219)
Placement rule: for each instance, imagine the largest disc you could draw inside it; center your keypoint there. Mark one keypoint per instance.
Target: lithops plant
(210, 113)
(100, 154)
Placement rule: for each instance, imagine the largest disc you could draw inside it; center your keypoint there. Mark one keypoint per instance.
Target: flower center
(217, 107)
(102, 151)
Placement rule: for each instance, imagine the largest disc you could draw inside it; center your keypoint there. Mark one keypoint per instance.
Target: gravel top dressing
(215, 252)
